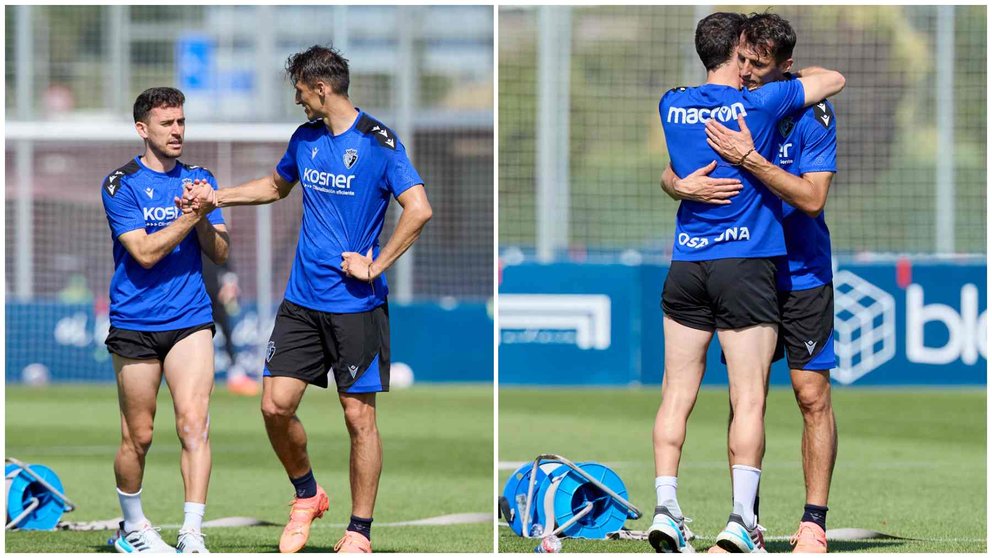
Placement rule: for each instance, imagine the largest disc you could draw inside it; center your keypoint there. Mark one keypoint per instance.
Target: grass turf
(911, 463)
(437, 443)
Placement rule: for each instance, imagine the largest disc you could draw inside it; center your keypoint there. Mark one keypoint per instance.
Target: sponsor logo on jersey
(317, 178)
(785, 153)
(679, 115)
(350, 158)
(313, 153)
(160, 214)
(150, 192)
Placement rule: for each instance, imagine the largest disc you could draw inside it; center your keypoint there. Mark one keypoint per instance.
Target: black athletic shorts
(307, 344)
(721, 294)
(147, 345)
(807, 331)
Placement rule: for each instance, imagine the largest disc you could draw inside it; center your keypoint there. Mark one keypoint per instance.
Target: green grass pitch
(438, 452)
(910, 463)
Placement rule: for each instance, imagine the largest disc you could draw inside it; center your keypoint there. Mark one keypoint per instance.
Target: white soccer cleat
(142, 539)
(736, 537)
(669, 533)
(191, 542)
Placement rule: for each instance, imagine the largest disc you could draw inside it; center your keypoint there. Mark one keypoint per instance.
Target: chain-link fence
(914, 75)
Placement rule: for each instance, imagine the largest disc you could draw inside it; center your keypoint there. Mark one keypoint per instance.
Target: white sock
(194, 516)
(745, 489)
(134, 517)
(665, 488)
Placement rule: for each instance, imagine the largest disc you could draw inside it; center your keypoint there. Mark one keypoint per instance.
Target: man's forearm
(408, 229)
(149, 249)
(668, 179)
(256, 192)
(214, 243)
(794, 190)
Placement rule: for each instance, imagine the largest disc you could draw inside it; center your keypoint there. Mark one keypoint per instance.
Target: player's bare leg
(366, 450)
(748, 352)
(819, 449)
(137, 389)
(281, 395)
(189, 373)
(685, 362)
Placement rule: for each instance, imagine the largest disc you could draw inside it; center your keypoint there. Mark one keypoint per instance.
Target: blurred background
(72, 74)
(581, 155)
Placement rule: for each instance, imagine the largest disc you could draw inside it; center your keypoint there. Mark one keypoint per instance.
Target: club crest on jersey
(350, 158)
(785, 126)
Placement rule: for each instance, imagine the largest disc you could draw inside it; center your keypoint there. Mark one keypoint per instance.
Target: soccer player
(160, 315)
(722, 276)
(803, 168)
(334, 317)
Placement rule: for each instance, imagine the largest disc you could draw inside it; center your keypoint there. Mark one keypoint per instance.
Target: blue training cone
(35, 498)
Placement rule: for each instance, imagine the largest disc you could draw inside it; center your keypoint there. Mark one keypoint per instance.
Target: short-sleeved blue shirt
(807, 142)
(749, 226)
(171, 294)
(347, 182)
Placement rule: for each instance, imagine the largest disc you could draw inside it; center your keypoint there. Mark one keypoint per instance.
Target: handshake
(198, 198)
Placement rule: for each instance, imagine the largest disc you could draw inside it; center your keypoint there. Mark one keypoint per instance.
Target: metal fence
(74, 72)
(582, 148)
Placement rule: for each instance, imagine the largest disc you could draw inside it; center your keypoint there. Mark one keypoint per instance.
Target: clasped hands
(198, 198)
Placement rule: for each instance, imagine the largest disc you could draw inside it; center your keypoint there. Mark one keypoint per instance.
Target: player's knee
(193, 429)
(360, 420)
(139, 439)
(812, 401)
(273, 410)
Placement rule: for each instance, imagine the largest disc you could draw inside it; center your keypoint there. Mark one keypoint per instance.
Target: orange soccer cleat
(810, 538)
(304, 511)
(353, 542)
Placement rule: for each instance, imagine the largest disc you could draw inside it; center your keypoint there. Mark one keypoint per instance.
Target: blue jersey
(171, 294)
(807, 142)
(750, 225)
(347, 181)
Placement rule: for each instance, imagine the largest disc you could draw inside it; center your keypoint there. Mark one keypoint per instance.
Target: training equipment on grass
(583, 501)
(35, 500)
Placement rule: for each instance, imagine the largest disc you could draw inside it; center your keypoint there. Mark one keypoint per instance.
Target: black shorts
(148, 345)
(721, 294)
(307, 344)
(807, 331)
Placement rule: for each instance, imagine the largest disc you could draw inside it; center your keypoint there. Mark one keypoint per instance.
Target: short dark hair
(716, 36)
(154, 98)
(320, 63)
(770, 34)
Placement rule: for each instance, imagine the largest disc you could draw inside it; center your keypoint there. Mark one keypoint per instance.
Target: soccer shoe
(191, 542)
(353, 542)
(735, 537)
(668, 533)
(810, 538)
(243, 385)
(303, 512)
(142, 539)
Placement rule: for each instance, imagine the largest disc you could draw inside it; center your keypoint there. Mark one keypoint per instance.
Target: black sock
(306, 486)
(361, 526)
(816, 514)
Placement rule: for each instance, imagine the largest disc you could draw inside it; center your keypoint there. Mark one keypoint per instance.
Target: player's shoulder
(196, 170)
(116, 179)
(308, 130)
(821, 113)
(370, 126)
